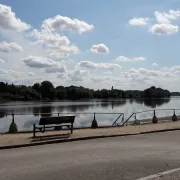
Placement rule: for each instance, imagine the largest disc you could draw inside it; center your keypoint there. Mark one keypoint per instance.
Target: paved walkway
(25, 138)
(120, 158)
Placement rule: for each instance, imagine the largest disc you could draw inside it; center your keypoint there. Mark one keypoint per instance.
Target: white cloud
(100, 79)
(31, 74)
(42, 62)
(3, 71)
(9, 21)
(99, 48)
(164, 29)
(50, 39)
(77, 75)
(10, 47)
(161, 18)
(165, 18)
(63, 51)
(57, 46)
(127, 59)
(148, 73)
(2, 60)
(62, 23)
(155, 64)
(62, 76)
(92, 65)
(139, 21)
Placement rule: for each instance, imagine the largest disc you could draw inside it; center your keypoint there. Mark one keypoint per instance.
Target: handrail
(152, 110)
(117, 119)
(8, 114)
(122, 123)
(127, 119)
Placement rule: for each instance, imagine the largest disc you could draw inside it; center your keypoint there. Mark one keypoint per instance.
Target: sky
(96, 44)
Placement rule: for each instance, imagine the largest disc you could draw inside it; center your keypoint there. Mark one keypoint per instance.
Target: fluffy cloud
(63, 51)
(77, 75)
(127, 59)
(141, 77)
(62, 76)
(57, 46)
(99, 79)
(9, 21)
(3, 71)
(42, 62)
(149, 73)
(10, 47)
(155, 64)
(50, 39)
(163, 24)
(165, 18)
(138, 21)
(62, 23)
(31, 74)
(92, 65)
(2, 60)
(99, 48)
(164, 29)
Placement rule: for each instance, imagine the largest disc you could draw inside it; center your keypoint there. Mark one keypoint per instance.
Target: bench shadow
(50, 137)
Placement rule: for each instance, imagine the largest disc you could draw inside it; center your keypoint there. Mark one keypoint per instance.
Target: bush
(94, 124)
(13, 128)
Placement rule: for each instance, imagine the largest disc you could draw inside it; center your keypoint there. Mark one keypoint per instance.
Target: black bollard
(94, 124)
(13, 127)
(174, 117)
(154, 119)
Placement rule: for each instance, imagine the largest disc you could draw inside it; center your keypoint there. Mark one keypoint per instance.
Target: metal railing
(152, 110)
(120, 115)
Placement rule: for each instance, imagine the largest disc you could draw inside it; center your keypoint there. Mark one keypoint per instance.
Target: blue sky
(127, 44)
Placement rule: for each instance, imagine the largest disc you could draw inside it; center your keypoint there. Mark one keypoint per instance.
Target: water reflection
(2, 115)
(37, 110)
(46, 109)
(29, 124)
(153, 103)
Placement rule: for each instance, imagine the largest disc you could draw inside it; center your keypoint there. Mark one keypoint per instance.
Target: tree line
(46, 91)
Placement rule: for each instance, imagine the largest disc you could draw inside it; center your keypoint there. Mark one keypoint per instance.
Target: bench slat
(56, 120)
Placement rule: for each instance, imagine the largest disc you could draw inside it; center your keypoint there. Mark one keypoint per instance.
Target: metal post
(123, 118)
(34, 130)
(94, 116)
(174, 112)
(154, 113)
(58, 114)
(13, 118)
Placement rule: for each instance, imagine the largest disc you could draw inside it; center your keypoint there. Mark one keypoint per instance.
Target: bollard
(154, 119)
(174, 117)
(94, 124)
(13, 126)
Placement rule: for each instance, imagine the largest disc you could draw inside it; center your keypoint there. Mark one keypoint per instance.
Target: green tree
(47, 90)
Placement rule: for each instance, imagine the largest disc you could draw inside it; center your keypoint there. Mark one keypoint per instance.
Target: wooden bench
(56, 122)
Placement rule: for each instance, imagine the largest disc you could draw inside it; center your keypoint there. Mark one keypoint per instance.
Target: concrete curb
(85, 138)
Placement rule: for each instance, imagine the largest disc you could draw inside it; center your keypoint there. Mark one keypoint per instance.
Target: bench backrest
(57, 120)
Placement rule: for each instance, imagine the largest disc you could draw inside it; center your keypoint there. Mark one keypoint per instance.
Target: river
(127, 106)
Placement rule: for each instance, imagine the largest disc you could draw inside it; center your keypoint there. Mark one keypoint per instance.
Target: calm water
(36, 110)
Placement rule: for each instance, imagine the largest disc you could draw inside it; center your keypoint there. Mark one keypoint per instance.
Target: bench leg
(71, 128)
(34, 130)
